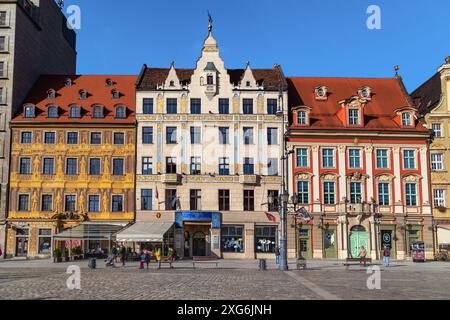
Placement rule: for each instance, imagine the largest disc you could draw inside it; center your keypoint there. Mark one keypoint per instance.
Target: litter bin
(418, 251)
(262, 264)
(92, 264)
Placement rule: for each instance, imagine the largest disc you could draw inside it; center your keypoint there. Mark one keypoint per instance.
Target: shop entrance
(199, 245)
(22, 242)
(304, 242)
(412, 235)
(330, 246)
(387, 238)
(358, 238)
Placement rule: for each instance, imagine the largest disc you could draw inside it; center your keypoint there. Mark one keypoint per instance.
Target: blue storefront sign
(193, 216)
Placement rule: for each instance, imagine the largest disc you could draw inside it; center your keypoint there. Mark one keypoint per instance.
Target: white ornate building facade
(208, 157)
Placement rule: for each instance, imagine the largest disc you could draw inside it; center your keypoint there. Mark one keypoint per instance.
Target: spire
(210, 43)
(210, 27)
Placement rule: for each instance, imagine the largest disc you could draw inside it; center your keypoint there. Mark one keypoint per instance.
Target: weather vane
(210, 21)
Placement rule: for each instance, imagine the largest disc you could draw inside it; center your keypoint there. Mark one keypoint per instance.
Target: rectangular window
(196, 167)
(45, 241)
(233, 239)
(409, 159)
(196, 106)
(437, 130)
(406, 119)
(171, 135)
(354, 158)
(247, 106)
(302, 158)
(25, 166)
(437, 162)
(94, 203)
(355, 192)
(117, 203)
(303, 192)
(249, 166)
(171, 165)
(272, 136)
(224, 166)
(27, 138)
(72, 138)
(272, 167)
(329, 193)
(411, 194)
(147, 135)
(353, 117)
(96, 138)
(224, 200)
(382, 159)
(383, 194)
(224, 135)
(273, 202)
(119, 138)
(272, 106)
(147, 166)
(72, 166)
(171, 199)
(47, 203)
(118, 167)
(94, 167)
(172, 106)
(146, 199)
(49, 166)
(2, 43)
(24, 201)
(147, 106)
(224, 106)
(248, 135)
(266, 238)
(70, 203)
(195, 200)
(249, 200)
(439, 198)
(3, 18)
(196, 135)
(327, 158)
(301, 118)
(49, 138)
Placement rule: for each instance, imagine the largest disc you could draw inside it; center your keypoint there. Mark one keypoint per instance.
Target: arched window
(29, 112)
(83, 94)
(120, 112)
(115, 94)
(51, 94)
(98, 112)
(75, 112)
(52, 112)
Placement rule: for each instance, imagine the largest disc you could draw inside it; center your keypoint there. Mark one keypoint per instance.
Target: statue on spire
(210, 27)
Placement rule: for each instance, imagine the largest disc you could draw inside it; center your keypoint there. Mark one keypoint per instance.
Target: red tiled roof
(428, 94)
(98, 93)
(388, 95)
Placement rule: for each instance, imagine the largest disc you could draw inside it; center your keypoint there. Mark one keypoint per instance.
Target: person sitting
(362, 253)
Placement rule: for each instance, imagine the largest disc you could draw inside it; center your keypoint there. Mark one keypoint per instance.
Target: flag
(304, 215)
(271, 217)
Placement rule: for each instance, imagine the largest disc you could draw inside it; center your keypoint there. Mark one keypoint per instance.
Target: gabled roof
(388, 95)
(98, 93)
(428, 94)
(150, 78)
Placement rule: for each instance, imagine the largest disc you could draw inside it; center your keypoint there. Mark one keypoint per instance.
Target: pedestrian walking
(114, 253)
(158, 257)
(387, 255)
(123, 254)
(142, 260)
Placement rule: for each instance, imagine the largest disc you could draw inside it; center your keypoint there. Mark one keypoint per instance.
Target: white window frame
(334, 158)
(360, 158)
(307, 157)
(350, 117)
(440, 130)
(388, 156)
(435, 165)
(409, 120)
(415, 159)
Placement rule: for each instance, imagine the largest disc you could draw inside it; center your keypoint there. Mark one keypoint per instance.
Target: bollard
(92, 264)
(262, 264)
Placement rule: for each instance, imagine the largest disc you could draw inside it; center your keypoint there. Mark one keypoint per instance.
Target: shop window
(265, 239)
(45, 241)
(233, 240)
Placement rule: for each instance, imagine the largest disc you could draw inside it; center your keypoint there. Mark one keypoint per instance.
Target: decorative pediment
(412, 178)
(248, 80)
(304, 176)
(357, 176)
(353, 102)
(172, 81)
(329, 176)
(385, 177)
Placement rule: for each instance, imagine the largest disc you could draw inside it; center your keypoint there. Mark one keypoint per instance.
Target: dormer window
(29, 112)
(52, 112)
(406, 119)
(75, 112)
(247, 84)
(172, 84)
(115, 94)
(68, 83)
(301, 115)
(109, 83)
(120, 112)
(302, 118)
(365, 93)
(83, 94)
(321, 93)
(353, 117)
(97, 112)
(51, 94)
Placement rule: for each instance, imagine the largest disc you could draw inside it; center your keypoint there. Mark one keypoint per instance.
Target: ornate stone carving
(412, 178)
(304, 176)
(34, 202)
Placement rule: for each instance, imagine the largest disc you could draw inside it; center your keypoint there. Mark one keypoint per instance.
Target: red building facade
(359, 167)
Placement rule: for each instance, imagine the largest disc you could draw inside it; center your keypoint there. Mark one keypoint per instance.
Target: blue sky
(307, 38)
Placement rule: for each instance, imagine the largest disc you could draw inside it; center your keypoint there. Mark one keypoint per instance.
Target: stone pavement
(233, 280)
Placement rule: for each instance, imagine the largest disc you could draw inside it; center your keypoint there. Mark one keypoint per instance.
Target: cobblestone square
(233, 280)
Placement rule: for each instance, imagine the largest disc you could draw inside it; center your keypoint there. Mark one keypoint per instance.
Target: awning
(91, 231)
(443, 235)
(144, 231)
